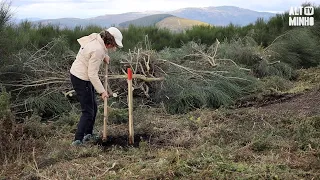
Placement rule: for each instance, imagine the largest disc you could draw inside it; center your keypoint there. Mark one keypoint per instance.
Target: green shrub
(306, 132)
(49, 106)
(184, 94)
(281, 69)
(299, 47)
(5, 14)
(17, 140)
(277, 83)
(244, 51)
(262, 142)
(118, 116)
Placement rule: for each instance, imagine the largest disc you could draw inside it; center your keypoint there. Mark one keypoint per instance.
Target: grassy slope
(178, 24)
(168, 21)
(145, 21)
(275, 141)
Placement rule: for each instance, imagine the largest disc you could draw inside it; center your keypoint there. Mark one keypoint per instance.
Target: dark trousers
(86, 96)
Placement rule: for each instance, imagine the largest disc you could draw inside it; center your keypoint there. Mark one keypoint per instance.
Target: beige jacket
(88, 60)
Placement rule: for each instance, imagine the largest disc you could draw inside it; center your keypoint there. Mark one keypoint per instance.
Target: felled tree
(181, 79)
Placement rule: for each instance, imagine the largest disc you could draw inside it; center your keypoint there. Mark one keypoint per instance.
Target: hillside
(177, 24)
(145, 21)
(173, 23)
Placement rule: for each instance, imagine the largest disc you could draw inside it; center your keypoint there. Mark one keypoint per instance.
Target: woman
(85, 79)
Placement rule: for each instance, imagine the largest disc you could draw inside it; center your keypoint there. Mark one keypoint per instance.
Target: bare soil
(306, 104)
(122, 141)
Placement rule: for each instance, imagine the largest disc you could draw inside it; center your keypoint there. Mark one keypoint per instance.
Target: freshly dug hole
(122, 141)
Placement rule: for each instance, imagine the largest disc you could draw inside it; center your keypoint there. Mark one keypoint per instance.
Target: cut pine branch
(137, 76)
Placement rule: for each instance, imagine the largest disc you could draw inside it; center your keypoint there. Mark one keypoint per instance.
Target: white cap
(117, 35)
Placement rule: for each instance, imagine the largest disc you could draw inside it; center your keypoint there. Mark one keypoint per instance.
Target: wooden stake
(105, 106)
(130, 106)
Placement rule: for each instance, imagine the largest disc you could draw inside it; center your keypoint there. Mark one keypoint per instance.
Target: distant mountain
(222, 15)
(66, 22)
(103, 21)
(145, 21)
(218, 16)
(32, 19)
(15, 20)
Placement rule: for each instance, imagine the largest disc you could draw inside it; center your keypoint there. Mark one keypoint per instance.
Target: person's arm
(93, 70)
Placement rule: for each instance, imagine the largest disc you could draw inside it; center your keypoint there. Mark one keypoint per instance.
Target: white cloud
(90, 8)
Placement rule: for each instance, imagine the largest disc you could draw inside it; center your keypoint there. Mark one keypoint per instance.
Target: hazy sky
(50, 9)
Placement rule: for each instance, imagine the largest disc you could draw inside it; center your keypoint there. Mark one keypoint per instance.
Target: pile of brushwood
(179, 79)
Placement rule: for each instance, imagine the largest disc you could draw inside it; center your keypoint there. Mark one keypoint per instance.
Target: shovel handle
(130, 106)
(105, 106)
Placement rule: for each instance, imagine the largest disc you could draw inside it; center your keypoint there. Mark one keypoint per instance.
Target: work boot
(87, 137)
(90, 137)
(76, 143)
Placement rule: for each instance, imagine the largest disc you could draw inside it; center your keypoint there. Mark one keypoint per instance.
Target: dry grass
(275, 141)
(308, 79)
(244, 143)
